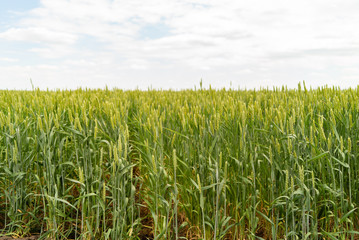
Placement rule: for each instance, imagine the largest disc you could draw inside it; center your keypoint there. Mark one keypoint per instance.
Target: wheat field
(192, 164)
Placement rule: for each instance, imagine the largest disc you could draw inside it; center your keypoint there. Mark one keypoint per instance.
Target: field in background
(205, 164)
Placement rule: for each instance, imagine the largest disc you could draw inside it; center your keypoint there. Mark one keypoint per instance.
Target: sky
(173, 44)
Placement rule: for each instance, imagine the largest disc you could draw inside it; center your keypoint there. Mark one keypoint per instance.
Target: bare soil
(34, 237)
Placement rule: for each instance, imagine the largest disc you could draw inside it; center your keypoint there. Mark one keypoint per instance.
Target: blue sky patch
(8, 10)
(154, 31)
(21, 52)
(89, 42)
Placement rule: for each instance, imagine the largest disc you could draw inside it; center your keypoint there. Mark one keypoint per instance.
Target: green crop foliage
(192, 164)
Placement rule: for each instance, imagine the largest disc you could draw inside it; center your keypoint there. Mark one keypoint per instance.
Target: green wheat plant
(193, 164)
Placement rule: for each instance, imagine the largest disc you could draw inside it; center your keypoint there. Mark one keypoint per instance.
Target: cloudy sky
(175, 43)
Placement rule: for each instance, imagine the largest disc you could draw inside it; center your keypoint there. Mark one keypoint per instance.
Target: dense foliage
(201, 164)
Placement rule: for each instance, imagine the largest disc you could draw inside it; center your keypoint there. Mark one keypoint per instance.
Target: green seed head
(329, 142)
(104, 192)
(349, 145)
(313, 179)
(286, 179)
(115, 154)
(96, 129)
(301, 174)
(199, 183)
(154, 164)
(173, 140)
(101, 157)
(81, 175)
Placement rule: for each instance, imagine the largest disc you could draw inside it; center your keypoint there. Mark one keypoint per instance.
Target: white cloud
(8, 60)
(250, 43)
(38, 35)
(53, 51)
